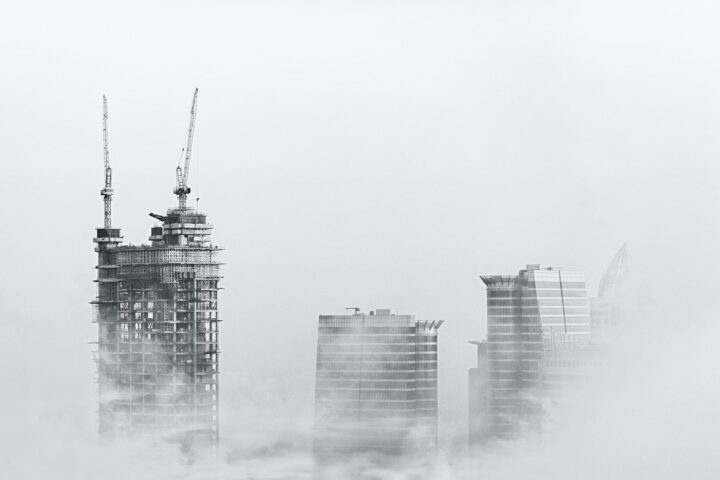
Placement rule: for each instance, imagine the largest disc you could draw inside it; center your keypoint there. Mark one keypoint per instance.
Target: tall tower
(610, 308)
(157, 315)
(537, 322)
(376, 385)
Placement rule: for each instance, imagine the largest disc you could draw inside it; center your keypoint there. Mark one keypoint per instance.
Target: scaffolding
(158, 326)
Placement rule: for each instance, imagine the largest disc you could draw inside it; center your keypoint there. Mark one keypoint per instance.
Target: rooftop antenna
(107, 191)
(356, 310)
(181, 188)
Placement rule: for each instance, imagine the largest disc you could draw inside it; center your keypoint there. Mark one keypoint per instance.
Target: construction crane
(107, 192)
(181, 186)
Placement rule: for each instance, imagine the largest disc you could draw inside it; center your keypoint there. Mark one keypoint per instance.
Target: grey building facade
(537, 322)
(376, 385)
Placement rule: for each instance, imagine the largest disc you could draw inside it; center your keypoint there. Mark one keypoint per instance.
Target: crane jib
(188, 148)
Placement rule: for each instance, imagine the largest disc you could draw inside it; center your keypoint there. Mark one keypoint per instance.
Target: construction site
(157, 315)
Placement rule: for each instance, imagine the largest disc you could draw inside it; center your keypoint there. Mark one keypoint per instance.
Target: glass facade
(376, 385)
(533, 319)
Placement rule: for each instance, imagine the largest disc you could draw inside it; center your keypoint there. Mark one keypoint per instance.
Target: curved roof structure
(616, 273)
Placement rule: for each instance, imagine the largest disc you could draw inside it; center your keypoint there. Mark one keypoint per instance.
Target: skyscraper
(609, 308)
(376, 385)
(536, 322)
(157, 316)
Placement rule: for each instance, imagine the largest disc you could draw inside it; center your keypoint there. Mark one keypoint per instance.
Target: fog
(372, 154)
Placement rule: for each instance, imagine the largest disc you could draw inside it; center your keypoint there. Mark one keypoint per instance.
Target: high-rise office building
(157, 315)
(376, 385)
(536, 323)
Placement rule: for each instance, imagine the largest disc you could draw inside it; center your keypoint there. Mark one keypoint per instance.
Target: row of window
(416, 410)
(140, 408)
(162, 336)
(329, 328)
(167, 306)
(181, 349)
(366, 404)
(556, 284)
(205, 326)
(376, 384)
(174, 373)
(372, 361)
(169, 273)
(360, 337)
(528, 302)
(380, 374)
(165, 317)
(166, 391)
(377, 358)
(154, 358)
(166, 255)
(539, 310)
(335, 395)
(163, 297)
(174, 420)
(533, 352)
(533, 294)
(568, 364)
(374, 348)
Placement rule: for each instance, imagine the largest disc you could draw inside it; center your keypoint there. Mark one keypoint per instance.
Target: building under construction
(157, 316)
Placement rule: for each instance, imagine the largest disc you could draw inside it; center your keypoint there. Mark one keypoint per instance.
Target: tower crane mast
(181, 187)
(107, 191)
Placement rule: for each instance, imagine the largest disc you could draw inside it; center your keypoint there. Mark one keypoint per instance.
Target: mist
(374, 154)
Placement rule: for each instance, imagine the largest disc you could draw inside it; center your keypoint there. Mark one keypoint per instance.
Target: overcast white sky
(371, 154)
